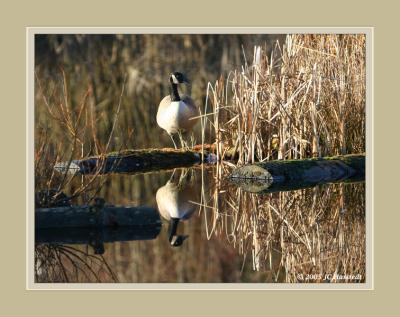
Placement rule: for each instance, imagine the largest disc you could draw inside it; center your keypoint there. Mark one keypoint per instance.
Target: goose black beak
(185, 81)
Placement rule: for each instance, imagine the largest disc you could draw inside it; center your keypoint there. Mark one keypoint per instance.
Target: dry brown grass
(306, 99)
(99, 63)
(67, 133)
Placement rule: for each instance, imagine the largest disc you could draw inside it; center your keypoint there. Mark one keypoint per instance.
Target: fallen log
(94, 225)
(295, 174)
(131, 161)
(94, 216)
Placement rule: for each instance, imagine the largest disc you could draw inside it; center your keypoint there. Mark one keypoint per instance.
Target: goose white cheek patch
(174, 80)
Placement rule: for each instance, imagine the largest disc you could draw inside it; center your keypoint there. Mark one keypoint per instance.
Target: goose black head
(178, 78)
(176, 241)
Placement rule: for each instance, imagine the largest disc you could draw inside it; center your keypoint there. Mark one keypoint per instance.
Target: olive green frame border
(31, 285)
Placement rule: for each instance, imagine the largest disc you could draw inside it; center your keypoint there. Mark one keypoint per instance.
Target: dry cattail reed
(309, 94)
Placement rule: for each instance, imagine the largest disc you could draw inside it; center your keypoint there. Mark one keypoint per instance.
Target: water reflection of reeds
(70, 264)
(318, 230)
(236, 236)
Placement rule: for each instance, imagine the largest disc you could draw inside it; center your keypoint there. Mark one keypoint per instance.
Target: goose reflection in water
(175, 202)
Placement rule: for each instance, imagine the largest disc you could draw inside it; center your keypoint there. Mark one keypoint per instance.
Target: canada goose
(173, 201)
(175, 112)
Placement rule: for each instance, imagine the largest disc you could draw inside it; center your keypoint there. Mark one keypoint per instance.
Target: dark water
(229, 235)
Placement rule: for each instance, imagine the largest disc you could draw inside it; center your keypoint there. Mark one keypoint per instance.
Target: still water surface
(224, 234)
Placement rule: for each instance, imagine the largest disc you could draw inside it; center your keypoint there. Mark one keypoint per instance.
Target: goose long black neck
(173, 226)
(174, 92)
